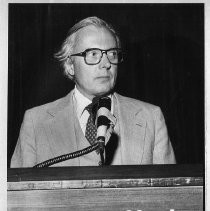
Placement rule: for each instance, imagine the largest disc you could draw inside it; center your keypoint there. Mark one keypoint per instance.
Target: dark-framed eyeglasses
(93, 56)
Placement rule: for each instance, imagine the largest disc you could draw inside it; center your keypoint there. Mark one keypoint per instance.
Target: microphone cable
(68, 156)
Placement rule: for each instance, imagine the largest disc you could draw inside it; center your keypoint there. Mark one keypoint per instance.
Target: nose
(105, 63)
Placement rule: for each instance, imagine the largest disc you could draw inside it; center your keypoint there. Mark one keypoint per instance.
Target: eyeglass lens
(94, 56)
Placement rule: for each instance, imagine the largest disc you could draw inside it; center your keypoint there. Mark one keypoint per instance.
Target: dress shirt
(80, 103)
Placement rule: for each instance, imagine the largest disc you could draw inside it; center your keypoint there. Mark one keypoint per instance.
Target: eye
(93, 53)
(113, 53)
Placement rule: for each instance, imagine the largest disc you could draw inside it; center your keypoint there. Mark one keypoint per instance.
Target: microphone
(102, 122)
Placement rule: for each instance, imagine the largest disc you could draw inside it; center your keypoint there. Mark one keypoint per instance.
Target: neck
(91, 97)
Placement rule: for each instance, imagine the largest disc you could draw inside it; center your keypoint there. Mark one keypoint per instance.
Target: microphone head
(104, 107)
(104, 102)
(99, 102)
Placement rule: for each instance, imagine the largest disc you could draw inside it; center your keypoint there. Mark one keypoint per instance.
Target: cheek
(85, 77)
(114, 73)
(79, 71)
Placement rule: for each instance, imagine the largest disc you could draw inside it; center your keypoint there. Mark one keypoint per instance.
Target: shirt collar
(81, 101)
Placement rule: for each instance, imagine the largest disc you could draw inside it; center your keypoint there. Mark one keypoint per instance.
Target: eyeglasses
(94, 55)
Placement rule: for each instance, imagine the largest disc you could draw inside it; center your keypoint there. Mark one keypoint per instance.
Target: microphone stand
(102, 104)
(101, 146)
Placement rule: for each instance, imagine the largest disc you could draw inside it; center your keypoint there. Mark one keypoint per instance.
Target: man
(90, 56)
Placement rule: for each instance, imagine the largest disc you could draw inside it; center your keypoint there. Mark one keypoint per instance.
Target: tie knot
(89, 108)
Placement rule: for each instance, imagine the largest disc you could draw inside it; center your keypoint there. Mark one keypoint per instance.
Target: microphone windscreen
(104, 102)
(103, 109)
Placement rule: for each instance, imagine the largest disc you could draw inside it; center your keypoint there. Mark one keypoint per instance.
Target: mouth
(103, 77)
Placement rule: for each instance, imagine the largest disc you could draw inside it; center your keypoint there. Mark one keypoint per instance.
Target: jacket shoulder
(135, 103)
(41, 113)
(146, 110)
(44, 107)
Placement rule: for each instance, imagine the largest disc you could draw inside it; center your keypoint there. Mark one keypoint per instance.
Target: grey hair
(69, 43)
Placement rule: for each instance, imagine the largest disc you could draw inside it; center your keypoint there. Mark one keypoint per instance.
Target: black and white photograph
(106, 106)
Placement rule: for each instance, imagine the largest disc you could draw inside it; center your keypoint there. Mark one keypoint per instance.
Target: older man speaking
(135, 133)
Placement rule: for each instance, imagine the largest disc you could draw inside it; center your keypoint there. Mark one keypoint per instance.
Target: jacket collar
(132, 110)
(132, 129)
(62, 104)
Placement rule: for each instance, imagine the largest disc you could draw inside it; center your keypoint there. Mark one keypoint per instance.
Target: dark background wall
(163, 64)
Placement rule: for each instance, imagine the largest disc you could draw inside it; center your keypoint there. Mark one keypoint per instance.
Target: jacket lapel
(61, 128)
(132, 130)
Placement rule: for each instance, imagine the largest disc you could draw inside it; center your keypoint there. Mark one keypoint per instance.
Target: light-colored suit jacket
(51, 130)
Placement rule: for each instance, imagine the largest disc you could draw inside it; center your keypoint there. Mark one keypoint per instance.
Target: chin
(103, 92)
(102, 89)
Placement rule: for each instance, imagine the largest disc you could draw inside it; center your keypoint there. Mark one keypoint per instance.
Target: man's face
(98, 79)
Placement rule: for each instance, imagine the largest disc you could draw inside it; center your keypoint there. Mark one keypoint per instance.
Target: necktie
(91, 129)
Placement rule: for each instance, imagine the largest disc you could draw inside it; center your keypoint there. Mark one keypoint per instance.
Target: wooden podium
(123, 188)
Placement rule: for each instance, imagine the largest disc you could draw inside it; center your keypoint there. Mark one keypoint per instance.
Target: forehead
(94, 37)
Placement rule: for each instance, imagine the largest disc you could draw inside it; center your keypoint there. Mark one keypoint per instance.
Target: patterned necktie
(91, 129)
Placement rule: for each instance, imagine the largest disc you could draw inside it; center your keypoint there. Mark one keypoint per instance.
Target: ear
(69, 66)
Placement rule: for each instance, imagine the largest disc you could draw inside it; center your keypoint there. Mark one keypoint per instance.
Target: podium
(123, 188)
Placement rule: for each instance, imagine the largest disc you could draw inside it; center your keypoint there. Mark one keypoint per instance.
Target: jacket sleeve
(163, 152)
(25, 152)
